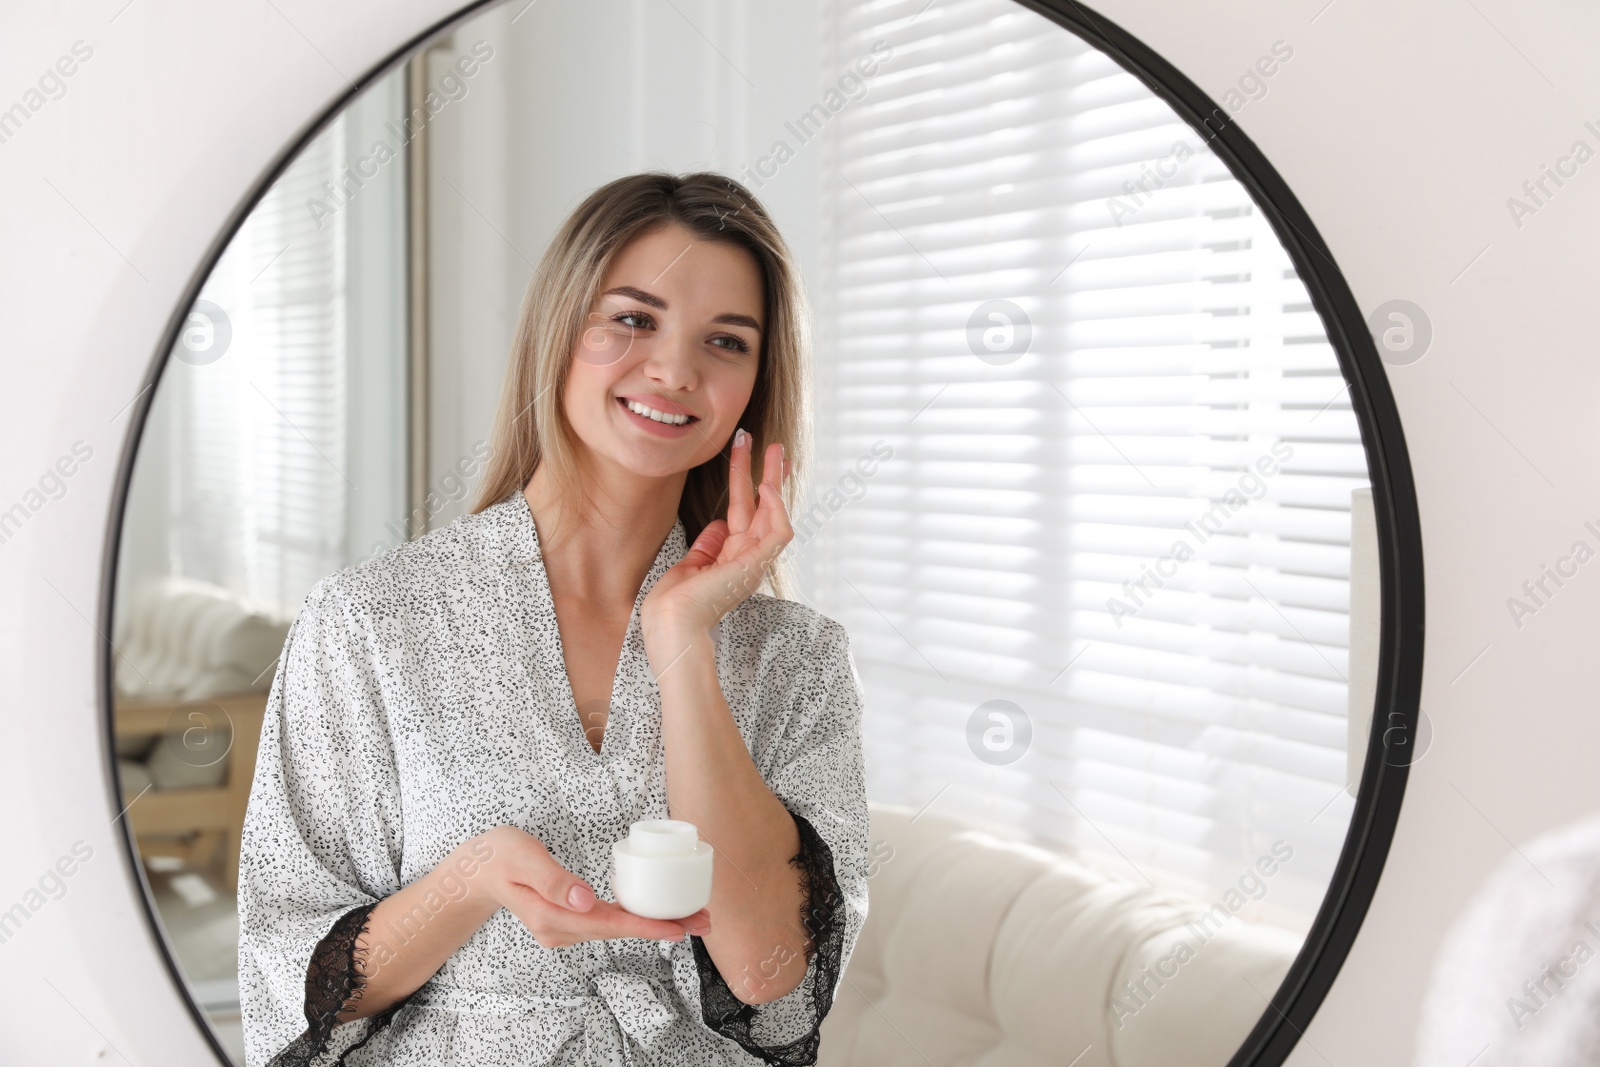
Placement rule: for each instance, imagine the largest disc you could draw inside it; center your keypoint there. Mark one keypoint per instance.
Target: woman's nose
(673, 363)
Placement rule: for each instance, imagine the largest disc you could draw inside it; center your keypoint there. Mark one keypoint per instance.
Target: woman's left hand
(730, 558)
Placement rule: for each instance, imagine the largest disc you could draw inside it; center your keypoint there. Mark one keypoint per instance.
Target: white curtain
(1088, 359)
(284, 455)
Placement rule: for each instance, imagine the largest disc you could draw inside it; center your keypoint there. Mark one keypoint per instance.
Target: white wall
(609, 76)
(1404, 131)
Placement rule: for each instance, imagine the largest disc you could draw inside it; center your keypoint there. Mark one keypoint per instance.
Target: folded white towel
(135, 778)
(195, 755)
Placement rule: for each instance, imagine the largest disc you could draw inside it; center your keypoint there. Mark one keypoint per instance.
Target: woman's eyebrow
(637, 294)
(730, 318)
(738, 320)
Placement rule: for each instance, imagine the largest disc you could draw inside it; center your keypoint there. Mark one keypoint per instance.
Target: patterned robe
(422, 699)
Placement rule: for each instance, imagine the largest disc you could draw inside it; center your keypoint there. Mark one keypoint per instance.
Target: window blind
(1170, 349)
(259, 438)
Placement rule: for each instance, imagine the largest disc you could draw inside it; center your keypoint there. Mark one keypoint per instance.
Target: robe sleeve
(321, 840)
(816, 767)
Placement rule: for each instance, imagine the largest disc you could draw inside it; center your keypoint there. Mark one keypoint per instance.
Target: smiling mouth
(624, 405)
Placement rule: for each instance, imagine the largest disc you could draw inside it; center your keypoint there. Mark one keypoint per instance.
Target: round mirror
(1104, 492)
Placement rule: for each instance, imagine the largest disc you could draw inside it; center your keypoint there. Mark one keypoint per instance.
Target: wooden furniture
(197, 823)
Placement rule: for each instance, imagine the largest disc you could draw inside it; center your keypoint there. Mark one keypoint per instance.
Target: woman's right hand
(557, 906)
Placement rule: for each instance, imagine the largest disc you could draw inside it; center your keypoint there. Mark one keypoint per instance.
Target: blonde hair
(530, 424)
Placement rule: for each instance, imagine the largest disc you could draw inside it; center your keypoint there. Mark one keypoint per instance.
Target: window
(279, 429)
(1084, 347)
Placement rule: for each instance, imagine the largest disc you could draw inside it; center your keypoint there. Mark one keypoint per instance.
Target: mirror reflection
(1081, 572)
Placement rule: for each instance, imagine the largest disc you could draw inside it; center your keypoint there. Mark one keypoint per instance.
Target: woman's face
(677, 330)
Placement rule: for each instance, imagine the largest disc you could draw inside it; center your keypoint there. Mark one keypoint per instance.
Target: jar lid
(663, 837)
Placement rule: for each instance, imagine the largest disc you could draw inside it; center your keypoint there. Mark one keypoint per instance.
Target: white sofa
(983, 952)
(184, 639)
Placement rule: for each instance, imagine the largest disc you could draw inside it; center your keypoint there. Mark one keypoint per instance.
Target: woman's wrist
(678, 644)
(657, 625)
(410, 933)
(471, 864)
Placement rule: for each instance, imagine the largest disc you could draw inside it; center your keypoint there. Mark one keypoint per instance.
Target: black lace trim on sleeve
(731, 1017)
(334, 977)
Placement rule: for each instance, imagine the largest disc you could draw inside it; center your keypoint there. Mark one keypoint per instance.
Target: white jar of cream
(662, 870)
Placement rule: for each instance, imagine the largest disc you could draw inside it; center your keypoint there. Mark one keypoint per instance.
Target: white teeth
(658, 416)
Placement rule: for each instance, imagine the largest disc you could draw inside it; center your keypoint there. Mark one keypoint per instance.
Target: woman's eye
(736, 344)
(645, 323)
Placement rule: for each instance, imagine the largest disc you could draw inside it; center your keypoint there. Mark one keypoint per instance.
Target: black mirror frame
(1399, 673)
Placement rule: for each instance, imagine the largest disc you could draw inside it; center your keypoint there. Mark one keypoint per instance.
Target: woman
(452, 742)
